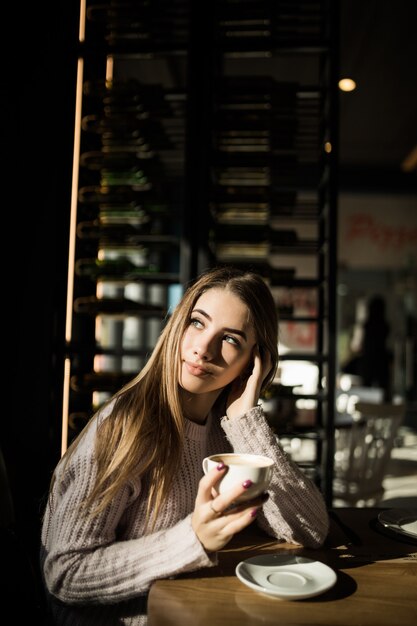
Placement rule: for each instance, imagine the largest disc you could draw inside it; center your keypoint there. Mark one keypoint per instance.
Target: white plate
(403, 521)
(286, 576)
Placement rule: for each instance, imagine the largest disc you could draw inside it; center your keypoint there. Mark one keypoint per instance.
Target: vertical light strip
(65, 406)
(109, 68)
(74, 200)
(83, 11)
(73, 230)
(71, 252)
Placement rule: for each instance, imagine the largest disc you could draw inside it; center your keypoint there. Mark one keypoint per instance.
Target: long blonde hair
(144, 431)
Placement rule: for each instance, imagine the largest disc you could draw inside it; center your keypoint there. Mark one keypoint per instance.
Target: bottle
(120, 160)
(124, 270)
(92, 305)
(125, 195)
(100, 381)
(112, 268)
(155, 233)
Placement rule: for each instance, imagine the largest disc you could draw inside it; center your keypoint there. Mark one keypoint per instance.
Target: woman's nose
(204, 351)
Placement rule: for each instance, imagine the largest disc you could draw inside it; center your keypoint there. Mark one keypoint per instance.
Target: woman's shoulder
(88, 437)
(82, 450)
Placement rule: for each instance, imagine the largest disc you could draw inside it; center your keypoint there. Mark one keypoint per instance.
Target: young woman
(129, 503)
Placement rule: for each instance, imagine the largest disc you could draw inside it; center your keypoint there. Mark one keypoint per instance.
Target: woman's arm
(296, 511)
(108, 559)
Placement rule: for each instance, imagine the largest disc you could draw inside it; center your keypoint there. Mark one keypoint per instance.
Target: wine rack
(128, 259)
(207, 136)
(272, 196)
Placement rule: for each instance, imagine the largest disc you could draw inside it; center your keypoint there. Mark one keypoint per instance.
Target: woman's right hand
(244, 392)
(216, 518)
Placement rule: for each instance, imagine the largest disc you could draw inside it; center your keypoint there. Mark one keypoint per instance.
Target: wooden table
(376, 582)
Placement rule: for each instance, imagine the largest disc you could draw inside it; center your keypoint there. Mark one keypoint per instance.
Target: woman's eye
(196, 322)
(231, 340)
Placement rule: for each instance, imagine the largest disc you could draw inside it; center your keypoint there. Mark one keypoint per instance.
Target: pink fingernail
(248, 483)
(221, 466)
(254, 513)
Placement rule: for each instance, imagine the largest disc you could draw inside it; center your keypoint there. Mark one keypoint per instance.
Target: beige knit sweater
(99, 572)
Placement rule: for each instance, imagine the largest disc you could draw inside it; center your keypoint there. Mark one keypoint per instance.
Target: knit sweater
(99, 571)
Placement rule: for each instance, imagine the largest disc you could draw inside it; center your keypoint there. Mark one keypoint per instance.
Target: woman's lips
(195, 370)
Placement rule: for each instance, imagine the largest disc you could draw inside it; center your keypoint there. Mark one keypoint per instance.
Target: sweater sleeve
(295, 510)
(86, 561)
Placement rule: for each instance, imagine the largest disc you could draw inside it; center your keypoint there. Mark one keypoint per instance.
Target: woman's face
(218, 343)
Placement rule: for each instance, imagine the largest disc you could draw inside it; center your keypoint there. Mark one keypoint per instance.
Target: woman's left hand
(244, 393)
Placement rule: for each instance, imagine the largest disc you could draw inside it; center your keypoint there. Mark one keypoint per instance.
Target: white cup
(242, 467)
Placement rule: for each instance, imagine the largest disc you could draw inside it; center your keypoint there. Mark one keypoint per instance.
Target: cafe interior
(229, 122)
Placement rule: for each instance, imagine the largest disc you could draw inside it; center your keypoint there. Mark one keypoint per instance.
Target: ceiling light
(347, 84)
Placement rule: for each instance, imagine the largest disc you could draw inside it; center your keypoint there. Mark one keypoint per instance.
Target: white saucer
(286, 576)
(402, 521)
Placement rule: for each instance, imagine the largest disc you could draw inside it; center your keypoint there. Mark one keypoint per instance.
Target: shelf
(202, 143)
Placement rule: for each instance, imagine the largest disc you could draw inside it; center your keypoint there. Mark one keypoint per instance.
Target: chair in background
(362, 453)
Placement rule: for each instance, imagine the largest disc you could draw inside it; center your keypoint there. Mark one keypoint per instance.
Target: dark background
(37, 103)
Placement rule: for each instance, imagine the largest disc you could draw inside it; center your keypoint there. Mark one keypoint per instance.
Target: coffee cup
(241, 467)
